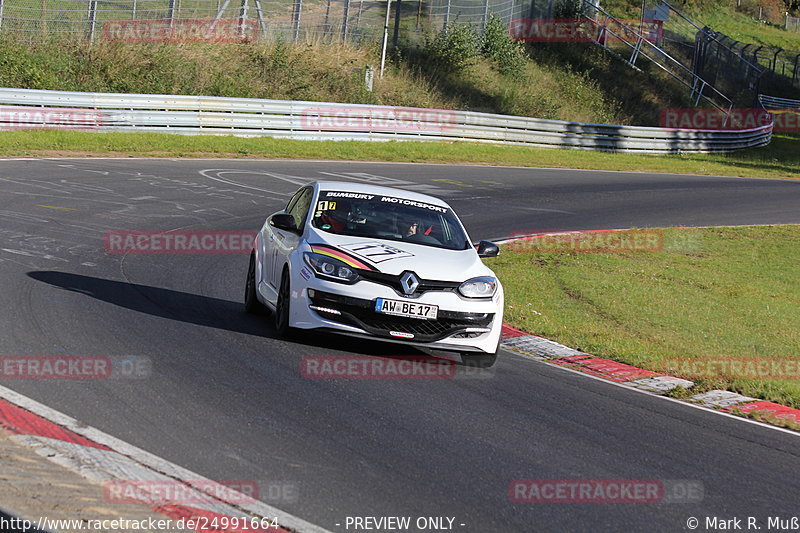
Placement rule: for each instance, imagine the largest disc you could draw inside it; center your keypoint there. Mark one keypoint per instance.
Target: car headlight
(480, 287)
(330, 268)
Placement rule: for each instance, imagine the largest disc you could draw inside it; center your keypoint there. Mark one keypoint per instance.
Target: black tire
(282, 307)
(251, 303)
(479, 360)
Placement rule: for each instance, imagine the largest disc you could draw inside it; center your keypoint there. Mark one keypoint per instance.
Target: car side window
(299, 206)
(293, 200)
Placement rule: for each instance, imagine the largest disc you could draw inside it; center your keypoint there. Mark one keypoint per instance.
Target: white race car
(379, 263)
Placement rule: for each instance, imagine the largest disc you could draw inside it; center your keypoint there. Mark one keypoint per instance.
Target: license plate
(406, 309)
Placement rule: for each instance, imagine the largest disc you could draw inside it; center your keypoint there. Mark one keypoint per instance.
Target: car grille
(360, 313)
(393, 281)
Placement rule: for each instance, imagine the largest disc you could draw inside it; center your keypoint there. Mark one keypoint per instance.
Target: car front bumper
(461, 325)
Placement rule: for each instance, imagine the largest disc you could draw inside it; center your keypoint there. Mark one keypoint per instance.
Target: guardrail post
(92, 19)
(296, 10)
(344, 23)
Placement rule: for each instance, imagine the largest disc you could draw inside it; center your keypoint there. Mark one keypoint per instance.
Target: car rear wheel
(479, 360)
(251, 303)
(282, 307)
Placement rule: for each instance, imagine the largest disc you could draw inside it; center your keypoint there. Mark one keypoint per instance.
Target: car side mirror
(488, 249)
(283, 221)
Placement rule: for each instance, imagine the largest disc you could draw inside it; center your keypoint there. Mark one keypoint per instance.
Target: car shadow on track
(210, 312)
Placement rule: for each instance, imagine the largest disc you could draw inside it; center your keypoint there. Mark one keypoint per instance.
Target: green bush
(496, 45)
(455, 48)
(567, 9)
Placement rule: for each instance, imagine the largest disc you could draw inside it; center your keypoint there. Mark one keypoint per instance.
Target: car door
(283, 242)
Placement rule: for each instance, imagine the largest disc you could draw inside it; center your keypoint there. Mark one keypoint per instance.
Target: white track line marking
(143, 458)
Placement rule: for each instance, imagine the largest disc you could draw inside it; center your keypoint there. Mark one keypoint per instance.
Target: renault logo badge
(409, 282)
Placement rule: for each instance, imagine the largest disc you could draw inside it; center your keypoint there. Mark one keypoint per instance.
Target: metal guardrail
(201, 115)
(771, 102)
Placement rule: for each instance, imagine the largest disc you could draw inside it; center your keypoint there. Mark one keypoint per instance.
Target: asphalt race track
(227, 399)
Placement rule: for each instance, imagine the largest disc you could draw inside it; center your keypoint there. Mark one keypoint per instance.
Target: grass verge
(778, 160)
(705, 304)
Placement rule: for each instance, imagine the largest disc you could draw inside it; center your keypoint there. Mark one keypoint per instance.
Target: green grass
(709, 294)
(744, 28)
(778, 160)
(307, 71)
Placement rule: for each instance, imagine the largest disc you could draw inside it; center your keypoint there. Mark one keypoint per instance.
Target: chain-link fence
(215, 20)
(792, 24)
(764, 14)
(160, 20)
(737, 69)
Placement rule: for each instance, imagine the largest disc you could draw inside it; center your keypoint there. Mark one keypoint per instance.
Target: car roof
(347, 186)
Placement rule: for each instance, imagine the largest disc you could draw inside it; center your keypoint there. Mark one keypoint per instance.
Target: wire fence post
(261, 22)
(171, 15)
(447, 16)
(385, 35)
(92, 19)
(485, 15)
(396, 36)
(344, 22)
(43, 16)
(794, 72)
(296, 10)
(1, 13)
(243, 19)
(327, 24)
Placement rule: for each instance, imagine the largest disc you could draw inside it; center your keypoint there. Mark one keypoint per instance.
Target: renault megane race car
(380, 263)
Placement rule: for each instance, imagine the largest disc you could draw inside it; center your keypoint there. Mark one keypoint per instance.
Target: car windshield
(393, 218)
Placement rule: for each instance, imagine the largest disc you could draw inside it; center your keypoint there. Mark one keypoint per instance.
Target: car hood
(395, 257)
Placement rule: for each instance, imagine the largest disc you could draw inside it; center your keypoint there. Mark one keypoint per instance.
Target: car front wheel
(251, 303)
(282, 307)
